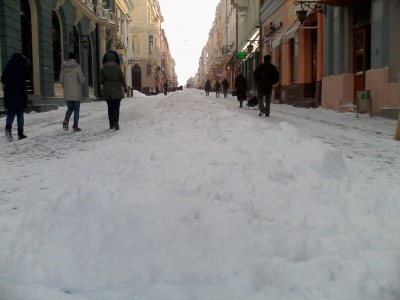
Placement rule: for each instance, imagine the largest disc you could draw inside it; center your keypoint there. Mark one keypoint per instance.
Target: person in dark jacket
(225, 86)
(217, 88)
(265, 76)
(165, 88)
(114, 86)
(71, 79)
(207, 87)
(14, 78)
(241, 88)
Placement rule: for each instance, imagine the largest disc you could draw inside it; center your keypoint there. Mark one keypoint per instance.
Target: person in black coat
(207, 87)
(265, 76)
(165, 88)
(217, 88)
(14, 78)
(225, 86)
(241, 88)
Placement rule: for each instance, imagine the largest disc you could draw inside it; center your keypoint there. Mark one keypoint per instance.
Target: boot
(9, 136)
(75, 128)
(21, 134)
(116, 126)
(65, 125)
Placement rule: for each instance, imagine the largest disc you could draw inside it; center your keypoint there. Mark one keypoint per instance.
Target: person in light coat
(72, 79)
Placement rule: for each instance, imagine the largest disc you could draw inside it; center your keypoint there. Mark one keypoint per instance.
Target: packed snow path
(195, 198)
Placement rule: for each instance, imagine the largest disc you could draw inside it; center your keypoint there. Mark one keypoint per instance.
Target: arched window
(57, 55)
(136, 78)
(135, 43)
(26, 37)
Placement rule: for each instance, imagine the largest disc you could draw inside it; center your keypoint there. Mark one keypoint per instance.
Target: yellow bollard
(397, 133)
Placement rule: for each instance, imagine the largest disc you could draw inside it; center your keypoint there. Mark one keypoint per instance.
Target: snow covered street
(195, 199)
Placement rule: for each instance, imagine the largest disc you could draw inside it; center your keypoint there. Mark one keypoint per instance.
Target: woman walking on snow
(14, 79)
(114, 86)
(71, 79)
(241, 88)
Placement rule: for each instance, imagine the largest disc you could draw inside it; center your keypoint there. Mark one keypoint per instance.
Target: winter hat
(111, 56)
(267, 58)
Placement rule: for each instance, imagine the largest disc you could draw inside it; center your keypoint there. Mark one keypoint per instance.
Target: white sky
(187, 24)
(197, 199)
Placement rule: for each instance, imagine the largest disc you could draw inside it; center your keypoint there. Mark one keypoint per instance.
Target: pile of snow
(192, 199)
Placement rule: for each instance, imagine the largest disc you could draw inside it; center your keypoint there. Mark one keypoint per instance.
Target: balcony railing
(106, 14)
(226, 49)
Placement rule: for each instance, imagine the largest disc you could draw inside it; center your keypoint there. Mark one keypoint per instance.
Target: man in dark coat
(207, 87)
(217, 88)
(165, 88)
(265, 76)
(14, 78)
(225, 86)
(241, 88)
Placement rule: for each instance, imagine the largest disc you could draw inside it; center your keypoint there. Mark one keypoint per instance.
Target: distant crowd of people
(265, 76)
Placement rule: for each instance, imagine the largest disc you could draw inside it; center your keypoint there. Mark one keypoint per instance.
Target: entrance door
(26, 38)
(360, 59)
(137, 78)
(361, 45)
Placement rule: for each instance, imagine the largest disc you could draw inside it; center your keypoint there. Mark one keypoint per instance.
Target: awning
(343, 3)
(291, 32)
(278, 35)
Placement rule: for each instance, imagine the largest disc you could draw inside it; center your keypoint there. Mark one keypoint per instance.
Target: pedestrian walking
(72, 79)
(241, 88)
(217, 88)
(207, 87)
(165, 88)
(14, 78)
(225, 86)
(114, 86)
(265, 76)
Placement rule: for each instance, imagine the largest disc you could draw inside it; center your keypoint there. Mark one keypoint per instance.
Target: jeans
(73, 107)
(260, 97)
(113, 111)
(11, 113)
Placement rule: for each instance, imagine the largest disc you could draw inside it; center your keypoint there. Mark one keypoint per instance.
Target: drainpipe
(320, 61)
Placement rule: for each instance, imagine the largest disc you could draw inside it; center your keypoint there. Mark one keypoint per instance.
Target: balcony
(226, 49)
(89, 4)
(106, 14)
(240, 5)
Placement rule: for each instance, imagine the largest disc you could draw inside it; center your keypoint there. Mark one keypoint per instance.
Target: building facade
(339, 50)
(46, 31)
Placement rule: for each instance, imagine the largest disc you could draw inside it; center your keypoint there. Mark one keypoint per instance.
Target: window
(294, 53)
(135, 44)
(151, 44)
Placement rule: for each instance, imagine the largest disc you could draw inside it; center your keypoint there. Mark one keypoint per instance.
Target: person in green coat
(114, 86)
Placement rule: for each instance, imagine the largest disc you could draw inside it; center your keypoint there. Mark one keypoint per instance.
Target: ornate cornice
(58, 4)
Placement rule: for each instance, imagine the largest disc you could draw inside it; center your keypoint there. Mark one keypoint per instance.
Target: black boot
(9, 136)
(65, 125)
(21, 134)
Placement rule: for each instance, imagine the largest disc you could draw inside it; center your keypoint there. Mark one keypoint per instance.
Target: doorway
(361, 46)
(137, 78)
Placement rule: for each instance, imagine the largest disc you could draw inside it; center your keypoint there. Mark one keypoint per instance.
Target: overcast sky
(187, 24)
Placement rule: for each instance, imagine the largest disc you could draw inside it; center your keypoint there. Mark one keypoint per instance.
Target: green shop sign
(240, 55)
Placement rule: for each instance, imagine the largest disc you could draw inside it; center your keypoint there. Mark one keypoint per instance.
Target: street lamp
(318, 6)
(84, 39)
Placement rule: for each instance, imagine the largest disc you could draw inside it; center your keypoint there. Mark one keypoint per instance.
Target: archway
(26, 38)
(136, 78)
(57, 47)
